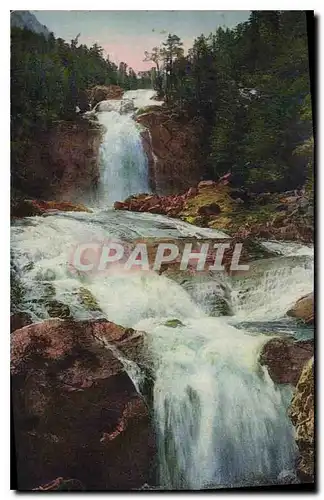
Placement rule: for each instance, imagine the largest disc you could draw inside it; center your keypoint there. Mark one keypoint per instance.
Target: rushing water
(220, 420)
(123, 162)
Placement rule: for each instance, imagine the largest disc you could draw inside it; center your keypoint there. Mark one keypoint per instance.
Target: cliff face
(77, 414)
(62, 163)
(103, 92)
(301, 412)
(171, 146)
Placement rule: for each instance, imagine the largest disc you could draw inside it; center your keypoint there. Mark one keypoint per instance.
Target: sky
(125, 35)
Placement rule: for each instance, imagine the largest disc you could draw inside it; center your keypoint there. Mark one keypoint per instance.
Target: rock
(61, 162)
(104, 92)
(301, 412)
(30, 208)
(62, 206)
(193, 191)
(57, 309)
(126, 106)
(83, 101)
(303, 309)
(19, 319)
(173, 323)
(285, 358)
(77, 413)
(120, 205)
(204, 184)
(25, 208)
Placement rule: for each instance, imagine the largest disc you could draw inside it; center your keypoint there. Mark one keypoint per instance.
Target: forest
(247, 86)
(250, 87)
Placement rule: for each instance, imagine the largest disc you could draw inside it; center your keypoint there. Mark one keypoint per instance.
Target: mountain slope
(25, 19)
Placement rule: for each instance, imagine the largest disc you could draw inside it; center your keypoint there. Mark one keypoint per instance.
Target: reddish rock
(304, 309)
(30, 208)
(193, 191)
(69, 390)
(18, 320)
(62, 162)
(104, 92)
(61, 484)
(74, 158)
(119, 205)
(25, 208)
(285, 358)
(204, 184)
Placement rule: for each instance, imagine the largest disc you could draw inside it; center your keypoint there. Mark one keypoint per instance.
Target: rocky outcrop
(24, 19)
(77, 413)
(285, 358)
(301, 412)
(104, 92)
(19, 320)
(24, 208)
(303, 309)
(61, 163)
(174, 144)
(181, 205)
(30, 208)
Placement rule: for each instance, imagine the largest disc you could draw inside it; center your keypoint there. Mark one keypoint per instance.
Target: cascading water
(220, 420)
(123, 162)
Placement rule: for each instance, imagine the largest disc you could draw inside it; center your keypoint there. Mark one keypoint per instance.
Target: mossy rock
(57, 309)
(146, 109)
(48, 275)
(88, 300)
(173, 323)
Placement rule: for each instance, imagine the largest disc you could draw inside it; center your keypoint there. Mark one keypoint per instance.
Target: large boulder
(285, 358)
(30, 208)
(175, 146)
(303, 309)
(77, 412)
(301, 412)
(126, 106)
(61, 163)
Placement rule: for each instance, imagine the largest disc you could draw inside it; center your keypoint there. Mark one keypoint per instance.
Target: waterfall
(220, 420)
(123, 162)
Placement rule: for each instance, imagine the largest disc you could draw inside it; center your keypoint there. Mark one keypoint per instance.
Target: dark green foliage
(249, 84)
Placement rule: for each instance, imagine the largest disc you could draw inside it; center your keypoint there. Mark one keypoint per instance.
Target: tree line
(49, 79)
(250, 87)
